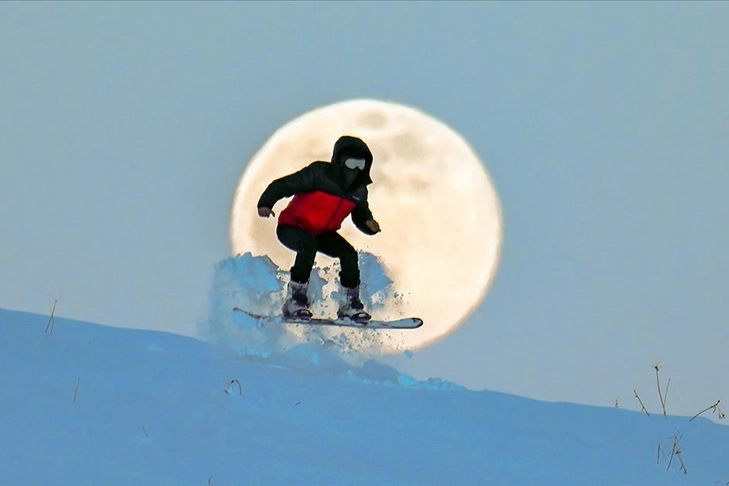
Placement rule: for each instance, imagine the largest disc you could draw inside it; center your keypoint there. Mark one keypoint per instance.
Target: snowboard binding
(296, 306)
(352, 308)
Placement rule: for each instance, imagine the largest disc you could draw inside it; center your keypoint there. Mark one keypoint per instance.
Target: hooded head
(351, 147)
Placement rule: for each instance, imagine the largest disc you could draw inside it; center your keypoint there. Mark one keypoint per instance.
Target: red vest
(316, 212)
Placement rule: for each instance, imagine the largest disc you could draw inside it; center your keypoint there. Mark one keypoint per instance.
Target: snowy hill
(88, 404)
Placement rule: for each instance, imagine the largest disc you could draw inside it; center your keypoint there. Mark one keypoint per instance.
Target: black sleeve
(287, 186)
(361, 215)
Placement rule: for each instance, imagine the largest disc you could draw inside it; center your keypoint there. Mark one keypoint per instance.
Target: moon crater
(372, 120)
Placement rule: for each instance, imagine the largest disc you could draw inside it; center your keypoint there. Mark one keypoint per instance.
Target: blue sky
(125, 126)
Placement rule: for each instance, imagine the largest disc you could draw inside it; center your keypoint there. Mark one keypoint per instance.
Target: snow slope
(89, 404)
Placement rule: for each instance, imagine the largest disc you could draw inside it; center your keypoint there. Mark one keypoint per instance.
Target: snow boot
(352, 308)
(297, 303)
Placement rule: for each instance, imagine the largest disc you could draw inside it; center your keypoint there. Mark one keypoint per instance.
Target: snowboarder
(324, 194)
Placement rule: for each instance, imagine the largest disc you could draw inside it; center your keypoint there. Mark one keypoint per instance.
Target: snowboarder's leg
(305, 246)
(334, 245)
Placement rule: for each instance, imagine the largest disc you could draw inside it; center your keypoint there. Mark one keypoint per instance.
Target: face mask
(349, 175)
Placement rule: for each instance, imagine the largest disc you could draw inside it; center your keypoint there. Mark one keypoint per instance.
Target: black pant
(331, 244)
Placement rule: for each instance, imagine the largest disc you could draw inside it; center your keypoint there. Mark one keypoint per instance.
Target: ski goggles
(351, 163)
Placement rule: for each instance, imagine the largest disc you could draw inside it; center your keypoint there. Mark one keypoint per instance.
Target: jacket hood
(348, 146)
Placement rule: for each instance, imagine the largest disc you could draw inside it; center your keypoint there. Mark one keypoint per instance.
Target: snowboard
(402, 323)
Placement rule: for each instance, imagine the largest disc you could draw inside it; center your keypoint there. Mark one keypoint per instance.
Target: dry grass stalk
(51, 318)
(676, 452)
(234, 384)
(642, 407)
(657, 366)
(713, 408)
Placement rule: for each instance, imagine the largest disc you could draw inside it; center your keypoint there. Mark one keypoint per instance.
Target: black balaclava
(351, 147)
(348, 175)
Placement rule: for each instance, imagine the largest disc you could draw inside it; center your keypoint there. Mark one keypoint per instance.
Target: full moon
(434, 200)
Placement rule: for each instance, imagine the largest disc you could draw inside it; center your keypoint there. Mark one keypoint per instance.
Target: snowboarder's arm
(287, 186)
(363, 220)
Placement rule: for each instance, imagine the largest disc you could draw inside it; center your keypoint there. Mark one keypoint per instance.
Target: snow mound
(90, 404)
(256, 285)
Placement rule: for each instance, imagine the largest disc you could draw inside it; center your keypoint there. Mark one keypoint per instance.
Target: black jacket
(326, 177)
